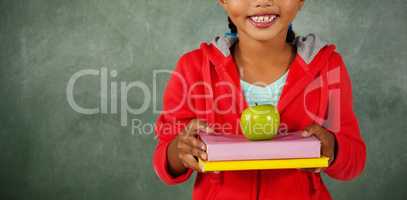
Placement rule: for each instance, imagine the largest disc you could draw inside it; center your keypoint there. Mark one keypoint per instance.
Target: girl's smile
(263, 20)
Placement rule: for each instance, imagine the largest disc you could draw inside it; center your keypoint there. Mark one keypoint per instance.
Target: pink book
(237, 147)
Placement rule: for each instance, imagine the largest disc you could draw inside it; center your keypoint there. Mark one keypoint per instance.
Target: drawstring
(206, 73)
(315, 185)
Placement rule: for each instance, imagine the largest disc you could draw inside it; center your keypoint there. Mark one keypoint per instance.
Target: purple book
(237, 147)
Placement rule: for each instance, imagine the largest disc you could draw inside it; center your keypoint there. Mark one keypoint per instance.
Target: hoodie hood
(307, 46)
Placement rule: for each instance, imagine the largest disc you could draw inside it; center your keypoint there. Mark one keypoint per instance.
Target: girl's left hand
(327, 142)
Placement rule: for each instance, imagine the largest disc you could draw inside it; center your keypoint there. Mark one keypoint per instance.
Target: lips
(263, 20)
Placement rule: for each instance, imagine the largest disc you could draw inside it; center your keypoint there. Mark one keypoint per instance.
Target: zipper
(258, 186)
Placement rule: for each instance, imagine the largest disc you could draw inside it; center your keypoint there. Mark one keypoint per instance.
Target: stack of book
(235, 152)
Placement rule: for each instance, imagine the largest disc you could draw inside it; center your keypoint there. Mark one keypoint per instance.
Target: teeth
(272, 17)
(263, 19)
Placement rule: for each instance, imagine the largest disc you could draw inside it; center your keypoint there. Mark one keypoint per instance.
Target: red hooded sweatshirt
(205, 85)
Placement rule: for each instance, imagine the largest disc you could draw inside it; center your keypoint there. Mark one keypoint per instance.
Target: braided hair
(290, 34)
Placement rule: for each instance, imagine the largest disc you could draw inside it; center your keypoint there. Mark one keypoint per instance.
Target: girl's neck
(262, 54)
(264, 61)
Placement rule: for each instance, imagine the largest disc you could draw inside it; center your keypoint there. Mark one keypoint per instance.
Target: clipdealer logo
(116, 92)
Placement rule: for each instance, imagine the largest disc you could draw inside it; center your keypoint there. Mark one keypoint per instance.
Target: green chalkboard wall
(49, 150)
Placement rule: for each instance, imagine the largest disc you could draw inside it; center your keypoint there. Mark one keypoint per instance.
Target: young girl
(260, 61)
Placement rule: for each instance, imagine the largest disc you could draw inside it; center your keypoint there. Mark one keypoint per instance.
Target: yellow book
(208, 166)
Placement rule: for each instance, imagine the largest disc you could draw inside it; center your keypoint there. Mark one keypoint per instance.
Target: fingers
(203, 126)
(190, 147)
(197, 125)
(189, 161)
(196, 143)
(194, 147)
(197, 152)
(326, 138)
(193, 142)
(316, 131)
(312, 130)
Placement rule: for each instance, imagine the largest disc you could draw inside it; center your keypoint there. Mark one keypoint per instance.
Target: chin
(262, 35)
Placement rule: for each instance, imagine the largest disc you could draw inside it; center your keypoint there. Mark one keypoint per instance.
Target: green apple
(260, 122)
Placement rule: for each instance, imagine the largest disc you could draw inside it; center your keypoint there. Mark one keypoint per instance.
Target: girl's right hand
(187, 147)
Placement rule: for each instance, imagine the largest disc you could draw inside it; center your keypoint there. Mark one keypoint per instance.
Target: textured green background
(48, 151)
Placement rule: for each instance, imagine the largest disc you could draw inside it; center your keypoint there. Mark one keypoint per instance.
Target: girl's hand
(187, 147)
(327, 142)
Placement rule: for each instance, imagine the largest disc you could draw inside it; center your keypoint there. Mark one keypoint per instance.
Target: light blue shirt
(268, 94)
